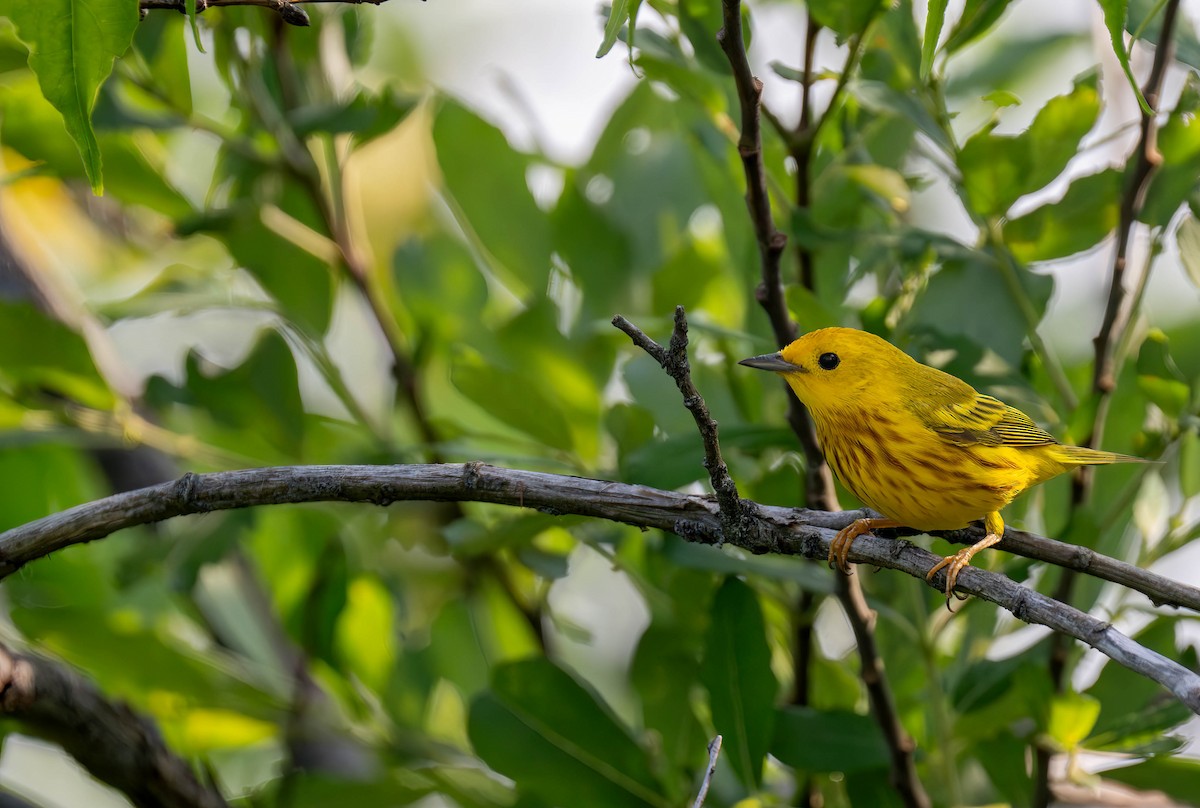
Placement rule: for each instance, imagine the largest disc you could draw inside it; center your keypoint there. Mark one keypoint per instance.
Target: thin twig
(714, 751)
(1117, 316)
(694, 518)
(735, 518)
(819, 488)
(110, 740)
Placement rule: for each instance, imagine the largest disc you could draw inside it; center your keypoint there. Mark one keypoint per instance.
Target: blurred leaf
(619, 13)
(935, 16)
(1003, 756)
(72, 45)
(366, 631)
(486, 178)
(700, 21)
(316, 790)
(1188, 236)
(999, 169)
(1177, 777)
(41, 353)
(741, 686)
(31, 126)
(1184, 43)
(1189, 463)
(302, 283)
(1178, 144)
(1072, 716)
(541, 728)
(1158, 377)
(664, 670)
(1115, 12)
(158, 38)
(512, 396)
(828, 740)
(846, 18)
(366, 115)
(977, 17)
(1003, 329)
(259, 400)
(1085, 215)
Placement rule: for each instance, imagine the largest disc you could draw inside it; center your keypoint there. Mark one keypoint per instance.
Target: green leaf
(486, 178)
(1085, 215)
(741, 685)
(513, 397)
(846, 18)
(553, 737)
(37, 351)
(190, 9)
(828, 740)
(619, 13)
(977, 17)
(939, 309)
(72, 45)
(1114, 20)
(999, 169)
(935, 17)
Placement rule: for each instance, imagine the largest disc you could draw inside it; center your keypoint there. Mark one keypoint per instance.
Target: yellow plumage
(920, 446)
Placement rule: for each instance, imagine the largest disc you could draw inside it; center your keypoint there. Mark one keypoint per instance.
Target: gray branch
(692, 517)
(108, 738)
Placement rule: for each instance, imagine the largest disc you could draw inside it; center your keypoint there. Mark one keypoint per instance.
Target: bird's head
(828, 367)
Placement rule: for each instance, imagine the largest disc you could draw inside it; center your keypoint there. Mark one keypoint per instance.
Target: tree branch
(1117, 316)
(289, 10)
(819, 489)
(693, 518)
(109, 739)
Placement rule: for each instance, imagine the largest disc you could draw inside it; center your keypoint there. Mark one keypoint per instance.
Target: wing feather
(987, 421)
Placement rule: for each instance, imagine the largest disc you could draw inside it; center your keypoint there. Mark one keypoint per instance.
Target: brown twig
(694, 518)
(1117, 316)
(674, 360)
(289, 10)
(110, 740)
(819, 489)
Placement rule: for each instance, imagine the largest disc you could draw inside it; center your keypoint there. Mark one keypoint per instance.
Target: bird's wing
(983, 420)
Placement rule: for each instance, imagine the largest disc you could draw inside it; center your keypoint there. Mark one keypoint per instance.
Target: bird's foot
(839, 548)
(954, 564)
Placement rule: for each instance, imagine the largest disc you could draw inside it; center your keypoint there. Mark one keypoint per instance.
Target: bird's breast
(899, 467)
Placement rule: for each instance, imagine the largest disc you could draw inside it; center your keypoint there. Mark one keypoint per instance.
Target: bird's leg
(955, 563)
(839, 548)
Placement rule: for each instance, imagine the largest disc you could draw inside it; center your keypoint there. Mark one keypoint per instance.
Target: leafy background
(386, 238)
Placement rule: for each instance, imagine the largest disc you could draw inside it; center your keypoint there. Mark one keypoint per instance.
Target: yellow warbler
(918, 445)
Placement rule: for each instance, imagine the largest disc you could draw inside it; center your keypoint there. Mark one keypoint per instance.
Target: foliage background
(307, 252)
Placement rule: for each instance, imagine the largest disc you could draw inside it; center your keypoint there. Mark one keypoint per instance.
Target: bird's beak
(773, 361)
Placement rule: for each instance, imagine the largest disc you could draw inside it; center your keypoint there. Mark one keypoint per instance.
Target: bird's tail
(1080, 456)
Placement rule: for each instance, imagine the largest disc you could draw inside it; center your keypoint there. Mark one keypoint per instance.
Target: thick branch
(109, 739)
(694, 518)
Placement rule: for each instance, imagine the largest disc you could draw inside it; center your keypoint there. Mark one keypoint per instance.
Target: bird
(916, 444)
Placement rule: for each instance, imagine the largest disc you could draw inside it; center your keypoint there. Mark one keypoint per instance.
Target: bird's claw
(953, 564)
(839, 548)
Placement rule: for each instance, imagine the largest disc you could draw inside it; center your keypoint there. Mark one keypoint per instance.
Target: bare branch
(714, 751)
(289, 10)
(819, 489)
(108, 738)
(693, 518)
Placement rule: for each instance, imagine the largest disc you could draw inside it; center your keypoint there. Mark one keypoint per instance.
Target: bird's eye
(828, 361)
